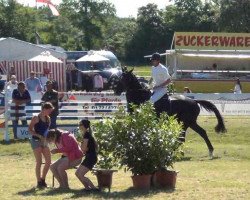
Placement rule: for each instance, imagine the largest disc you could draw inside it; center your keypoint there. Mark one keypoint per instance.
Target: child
(88, 147)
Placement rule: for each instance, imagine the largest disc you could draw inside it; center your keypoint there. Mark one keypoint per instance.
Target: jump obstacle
(68, 111)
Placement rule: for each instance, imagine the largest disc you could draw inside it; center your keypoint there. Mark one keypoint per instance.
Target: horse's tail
(210, 107)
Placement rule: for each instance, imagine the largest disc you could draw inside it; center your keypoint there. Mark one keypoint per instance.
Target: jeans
(53, 122)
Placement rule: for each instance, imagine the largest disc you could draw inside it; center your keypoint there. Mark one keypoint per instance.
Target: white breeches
(158, 93)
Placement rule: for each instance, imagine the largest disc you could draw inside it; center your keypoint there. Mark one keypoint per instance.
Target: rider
(161, 79)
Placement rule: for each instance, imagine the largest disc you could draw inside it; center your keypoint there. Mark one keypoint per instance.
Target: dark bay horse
(186, 110)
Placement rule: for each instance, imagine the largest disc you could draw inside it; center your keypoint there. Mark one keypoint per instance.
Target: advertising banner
(23, 133)
(212, 41)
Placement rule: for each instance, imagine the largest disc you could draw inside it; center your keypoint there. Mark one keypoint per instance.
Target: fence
(93, 105)
(68, 112)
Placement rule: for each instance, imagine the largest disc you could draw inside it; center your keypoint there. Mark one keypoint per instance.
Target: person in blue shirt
(33, 83)
(20, 96)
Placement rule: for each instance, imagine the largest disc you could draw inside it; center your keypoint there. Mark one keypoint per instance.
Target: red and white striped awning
(23, 69)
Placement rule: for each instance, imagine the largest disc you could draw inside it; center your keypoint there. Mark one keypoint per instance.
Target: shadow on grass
(43, 192)
(28, 192)
(186, 158)
(13, 141)
(130, 193)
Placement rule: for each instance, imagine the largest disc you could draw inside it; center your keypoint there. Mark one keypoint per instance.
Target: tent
(92, 58)
(45, 57)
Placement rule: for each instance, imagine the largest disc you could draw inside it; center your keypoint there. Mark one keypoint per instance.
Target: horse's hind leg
(203, 134)
(182, 137)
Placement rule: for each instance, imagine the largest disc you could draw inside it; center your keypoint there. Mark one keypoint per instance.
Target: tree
(235, 16)
(88, 16)
(16, 21)
(150, 36)
(116, 34)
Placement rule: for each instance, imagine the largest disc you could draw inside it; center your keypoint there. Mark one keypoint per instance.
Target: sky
(124, 8)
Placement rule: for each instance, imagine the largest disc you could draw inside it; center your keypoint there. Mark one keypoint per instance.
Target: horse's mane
(135, 84)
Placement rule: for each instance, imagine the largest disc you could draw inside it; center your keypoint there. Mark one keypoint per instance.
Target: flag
(51, 6)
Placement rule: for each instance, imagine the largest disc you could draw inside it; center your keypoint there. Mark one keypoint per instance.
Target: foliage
(140, 141)
(89, 17)
(92, 24)
(106, 145)
(234, 16)
(150, 28)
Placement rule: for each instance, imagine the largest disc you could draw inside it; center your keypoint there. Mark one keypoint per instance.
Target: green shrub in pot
(140, 142)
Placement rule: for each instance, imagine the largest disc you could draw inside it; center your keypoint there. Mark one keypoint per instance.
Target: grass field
(198, 86)
(225, 177)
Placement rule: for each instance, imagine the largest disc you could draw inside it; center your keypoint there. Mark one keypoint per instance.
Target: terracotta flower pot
(142, 181)
(164, 179)
(104, 178)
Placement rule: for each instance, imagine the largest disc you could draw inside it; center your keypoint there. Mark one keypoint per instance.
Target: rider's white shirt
(160, 75)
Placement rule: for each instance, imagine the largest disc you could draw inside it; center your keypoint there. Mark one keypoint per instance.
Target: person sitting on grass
(89, 148)
(72, 155)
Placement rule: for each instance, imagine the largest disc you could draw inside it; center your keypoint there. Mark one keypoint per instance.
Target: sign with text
(22, 131)
(94, 97)
(212, 41)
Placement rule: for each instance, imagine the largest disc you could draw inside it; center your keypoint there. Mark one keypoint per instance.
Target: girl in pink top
(72, 154)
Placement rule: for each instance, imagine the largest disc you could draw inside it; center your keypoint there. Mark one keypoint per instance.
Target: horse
(186, 110)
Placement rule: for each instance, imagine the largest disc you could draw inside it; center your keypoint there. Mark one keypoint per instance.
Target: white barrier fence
(91, 105)
(227, 103)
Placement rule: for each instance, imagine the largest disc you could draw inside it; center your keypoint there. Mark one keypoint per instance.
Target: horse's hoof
(211, 154)
(181, 139)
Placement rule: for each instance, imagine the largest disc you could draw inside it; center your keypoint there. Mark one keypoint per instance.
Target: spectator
(19, 96)
(214, 66)
(72, 154)
(187, 90)
(89, 148)
(237, 87)
(38, 128)
(51, 96)
(98, 82)
(33, 83)
(12, 84)
(2, 83)
(11, 72)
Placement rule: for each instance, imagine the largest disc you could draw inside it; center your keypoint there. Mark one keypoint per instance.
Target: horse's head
(128, 82)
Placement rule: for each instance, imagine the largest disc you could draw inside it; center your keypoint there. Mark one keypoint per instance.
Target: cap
(13, 76)
(49, 83)
(155, 56)
(32, 72)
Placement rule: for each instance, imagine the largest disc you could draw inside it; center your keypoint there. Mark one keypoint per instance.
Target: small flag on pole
(51, 6)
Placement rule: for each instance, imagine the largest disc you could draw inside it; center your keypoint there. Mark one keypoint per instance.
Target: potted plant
(105, 164)
(169, 151)
(140, 141)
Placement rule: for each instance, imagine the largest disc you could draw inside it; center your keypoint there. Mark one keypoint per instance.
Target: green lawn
(201, 86)
(225, 177)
